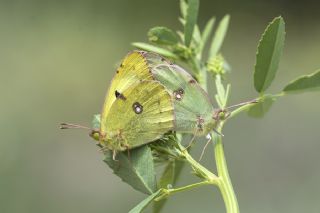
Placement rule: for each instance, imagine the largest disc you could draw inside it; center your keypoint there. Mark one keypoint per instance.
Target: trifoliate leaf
(268, 54)
(304, 83)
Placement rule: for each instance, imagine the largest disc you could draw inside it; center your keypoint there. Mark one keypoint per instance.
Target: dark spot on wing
(178, 94)
(137, 107)
(119, 95)
(192, 81)
(200, 122)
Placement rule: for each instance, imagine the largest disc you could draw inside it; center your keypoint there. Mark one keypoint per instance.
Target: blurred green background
(56, 61)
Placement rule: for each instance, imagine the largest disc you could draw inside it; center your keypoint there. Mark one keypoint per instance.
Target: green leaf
(170, 175)
(152, 48)
(220, 89)
(181, 36)
(262, 107)
(177, 170)
(135, 168)
(143, 204)
(163, 36)
(191, 20)
(268, 55)
(182, 21)
(197, 35)
(166, 178)
(304, 83)
(227, 94)
(206, 33)
(178, 164)
(219, 37)
(183, 8)
(222, 93)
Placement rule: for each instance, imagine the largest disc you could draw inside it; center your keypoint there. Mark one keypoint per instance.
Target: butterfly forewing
(143, 116)
(132, 70)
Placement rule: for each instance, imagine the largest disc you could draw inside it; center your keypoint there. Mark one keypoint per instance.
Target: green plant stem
(203, 80)
(168, 192)
(200, 170)
(224, 181)
(224, 184)
(188, 187)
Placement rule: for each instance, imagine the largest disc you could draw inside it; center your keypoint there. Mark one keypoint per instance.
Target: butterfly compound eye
(95, 134)
(137, 107)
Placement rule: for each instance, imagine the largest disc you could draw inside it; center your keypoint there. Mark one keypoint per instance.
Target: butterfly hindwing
(142, 114)
(192, 106)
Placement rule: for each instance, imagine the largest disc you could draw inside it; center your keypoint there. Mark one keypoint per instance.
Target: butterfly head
(95, 134)
(220, 114)
(110, 141)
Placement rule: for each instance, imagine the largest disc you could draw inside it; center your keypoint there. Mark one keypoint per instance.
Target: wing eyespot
(137, 107)
(178, 94)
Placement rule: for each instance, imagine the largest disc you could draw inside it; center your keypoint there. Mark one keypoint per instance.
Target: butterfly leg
(191, 142)
(114, 154)
(199, 128)
(128, 152)
(102, 149)
(205, 146)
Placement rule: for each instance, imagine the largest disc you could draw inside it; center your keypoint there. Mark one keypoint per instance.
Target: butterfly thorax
(113, 141)
(204, 124)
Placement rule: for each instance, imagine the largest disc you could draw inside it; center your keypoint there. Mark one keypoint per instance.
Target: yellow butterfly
(137, 108)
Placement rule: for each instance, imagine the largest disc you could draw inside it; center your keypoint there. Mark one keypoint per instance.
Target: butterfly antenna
(218, 133)
(254, 101)
(72, 126)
